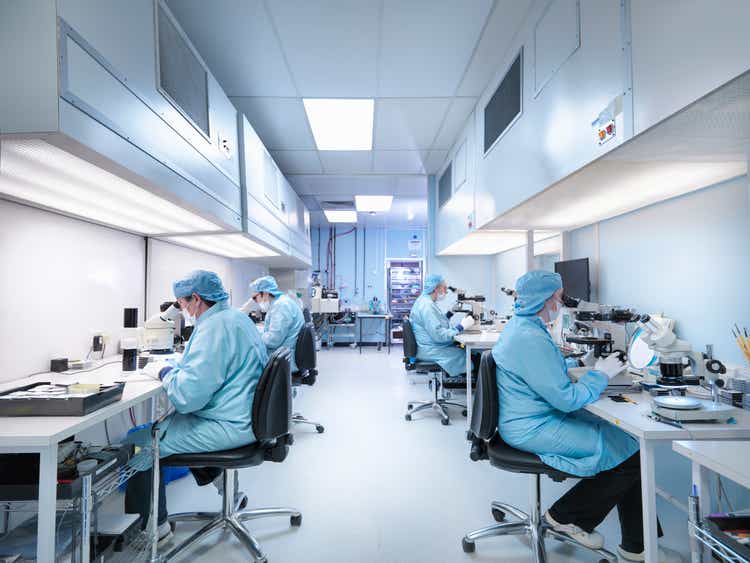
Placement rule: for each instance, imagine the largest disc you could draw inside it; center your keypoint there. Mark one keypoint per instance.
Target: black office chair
(272, 407)
(487, 444)
(436, 373)
(307, 373)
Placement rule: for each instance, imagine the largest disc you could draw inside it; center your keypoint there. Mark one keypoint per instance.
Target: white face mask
(264, 305)
(189, 318)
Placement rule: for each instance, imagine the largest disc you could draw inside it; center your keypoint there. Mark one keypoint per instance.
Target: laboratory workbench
(473, 341)
(729, 459)
(41, 434)
(384, 317)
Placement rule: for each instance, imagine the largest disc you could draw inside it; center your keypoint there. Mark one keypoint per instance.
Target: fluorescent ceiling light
(35, 171)
(483, 243)
(341, 125)
(232, 246)
(337, 216)
(373, 203)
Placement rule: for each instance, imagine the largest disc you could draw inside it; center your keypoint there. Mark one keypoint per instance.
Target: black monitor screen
(575, 278)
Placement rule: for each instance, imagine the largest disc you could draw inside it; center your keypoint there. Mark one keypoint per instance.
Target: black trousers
(590, 500)
(138, 492)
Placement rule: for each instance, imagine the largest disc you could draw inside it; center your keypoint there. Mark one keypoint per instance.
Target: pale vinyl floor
(375, 488)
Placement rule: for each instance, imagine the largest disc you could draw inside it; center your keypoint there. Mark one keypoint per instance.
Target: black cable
(364, 263)
(106, 432)
(356, 288)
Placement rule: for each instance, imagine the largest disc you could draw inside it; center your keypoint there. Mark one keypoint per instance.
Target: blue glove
(139, 436)
(164, 371)
(460, 328)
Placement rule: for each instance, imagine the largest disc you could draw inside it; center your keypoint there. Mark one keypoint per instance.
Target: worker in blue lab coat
(432, 330)
(540, 412)
(284, 319)
(211, 387)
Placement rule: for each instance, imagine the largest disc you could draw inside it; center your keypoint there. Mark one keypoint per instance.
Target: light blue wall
(509, 266)
(690, 258)
(475, 274)
(360, 276)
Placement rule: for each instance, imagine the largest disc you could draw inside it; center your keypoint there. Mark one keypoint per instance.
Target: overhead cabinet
(119, 86)
(274, 212)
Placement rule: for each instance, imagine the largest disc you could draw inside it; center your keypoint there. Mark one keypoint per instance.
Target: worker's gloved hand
(139, 436)
(152, 369)
(610, 366)
(467, 322)
(588, 359)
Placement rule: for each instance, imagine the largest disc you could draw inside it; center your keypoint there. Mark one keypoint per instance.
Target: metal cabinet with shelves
(404, 286)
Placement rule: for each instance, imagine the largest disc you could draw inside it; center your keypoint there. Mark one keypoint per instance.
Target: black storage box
(58, 406)
(717, 524)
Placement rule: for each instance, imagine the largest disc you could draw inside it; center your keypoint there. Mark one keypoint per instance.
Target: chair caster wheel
(409, 407)
(498, 515)
(468, 546)
(296, 521)
(407, 417)
(290, 440)
(320, 428)
(445, 421)
(465, 412)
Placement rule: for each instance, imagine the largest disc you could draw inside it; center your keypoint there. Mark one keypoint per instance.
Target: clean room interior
(369, 156)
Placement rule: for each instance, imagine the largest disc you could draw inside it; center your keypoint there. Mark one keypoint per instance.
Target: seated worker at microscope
(211, 388)
(432, 330)
(284, 318)
(540, 412)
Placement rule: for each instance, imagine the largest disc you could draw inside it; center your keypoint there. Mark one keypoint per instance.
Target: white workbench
(729, 459)
(41, 434)
(632, 419)
(484, 340)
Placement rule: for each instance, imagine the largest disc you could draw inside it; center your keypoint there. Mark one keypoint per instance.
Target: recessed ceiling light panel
(373, 203)
(338, 216)
(341, 125)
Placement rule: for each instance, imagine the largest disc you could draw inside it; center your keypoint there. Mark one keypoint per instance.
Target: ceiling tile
(427, 45)
(492, 49)
(346, 162)
(435, 160)
(298, 162)
(331, 46)
(408, 123)
(237, 41)
(454, 122)
(281, 123)
(398, 162)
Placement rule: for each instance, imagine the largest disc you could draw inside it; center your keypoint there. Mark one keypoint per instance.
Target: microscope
(473, 305)
(593, 326)
(674, 355)
(159, 330)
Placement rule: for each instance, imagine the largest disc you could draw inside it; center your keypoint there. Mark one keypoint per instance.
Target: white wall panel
(683, 49)
(169, 262)
(553, 136)
(63, 280)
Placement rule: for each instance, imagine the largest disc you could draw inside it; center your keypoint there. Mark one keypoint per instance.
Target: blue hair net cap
(432, 281)
(204, 283)
(266, 284)
(533, 289)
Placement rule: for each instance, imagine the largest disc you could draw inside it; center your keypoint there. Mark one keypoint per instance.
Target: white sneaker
(592, 540)
(628, 556)
(165, 534)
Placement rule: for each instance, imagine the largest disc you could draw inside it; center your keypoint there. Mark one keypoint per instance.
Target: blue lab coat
(284, 320)
(540, 406)
(434, 336)
(213, 385)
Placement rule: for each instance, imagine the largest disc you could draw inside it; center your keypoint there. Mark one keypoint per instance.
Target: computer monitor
(575, 277)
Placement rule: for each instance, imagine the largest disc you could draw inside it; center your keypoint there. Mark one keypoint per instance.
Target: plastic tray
(59, 406)
(717, 525)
